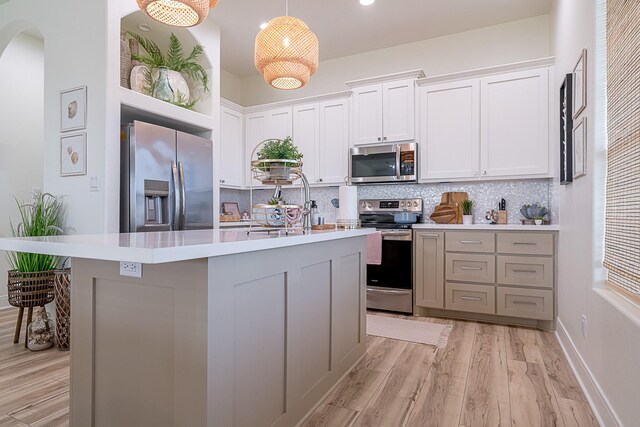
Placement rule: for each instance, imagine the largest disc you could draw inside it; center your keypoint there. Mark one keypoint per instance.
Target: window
(622, 224)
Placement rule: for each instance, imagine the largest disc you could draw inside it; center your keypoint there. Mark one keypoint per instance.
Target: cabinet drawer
(464, 241)
(525, 271)
(525, 243)
(470, 268)
(474, 298)
(527, 303)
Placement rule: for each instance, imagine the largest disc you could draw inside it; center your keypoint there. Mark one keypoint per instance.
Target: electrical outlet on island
(584, 325)
(132, 269)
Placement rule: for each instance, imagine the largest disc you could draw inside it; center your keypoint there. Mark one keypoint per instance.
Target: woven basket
(62, 284)
(30, 289)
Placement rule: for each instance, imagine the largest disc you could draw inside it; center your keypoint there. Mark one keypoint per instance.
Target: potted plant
(277, 159)
(467, 212)
(31, 278)
(162, 69)
(538, 220)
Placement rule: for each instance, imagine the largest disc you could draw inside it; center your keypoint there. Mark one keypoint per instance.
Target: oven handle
(397, 235)
(387, 292)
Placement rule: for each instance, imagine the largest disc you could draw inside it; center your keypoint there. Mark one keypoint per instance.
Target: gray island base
(248, 338)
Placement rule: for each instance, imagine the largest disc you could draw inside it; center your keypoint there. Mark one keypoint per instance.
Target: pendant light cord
(286, 7)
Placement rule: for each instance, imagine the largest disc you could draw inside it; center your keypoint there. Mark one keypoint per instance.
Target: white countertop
(169, 246)
(500, 227)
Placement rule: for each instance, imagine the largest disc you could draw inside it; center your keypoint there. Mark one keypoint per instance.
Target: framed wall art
(73, 109)
(566, 131)
(230, 208)
(580, 85)
(580, 149)
(73, 154)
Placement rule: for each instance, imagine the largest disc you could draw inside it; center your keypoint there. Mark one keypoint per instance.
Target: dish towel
(374, 248)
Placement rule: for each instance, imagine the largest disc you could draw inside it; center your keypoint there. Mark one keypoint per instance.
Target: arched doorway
(21, 127)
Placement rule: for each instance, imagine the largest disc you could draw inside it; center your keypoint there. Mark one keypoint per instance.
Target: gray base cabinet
(504, 276)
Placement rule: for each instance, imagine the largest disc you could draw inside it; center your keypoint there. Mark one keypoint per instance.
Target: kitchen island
(223, 328)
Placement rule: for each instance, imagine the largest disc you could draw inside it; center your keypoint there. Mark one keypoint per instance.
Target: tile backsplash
(485, 196)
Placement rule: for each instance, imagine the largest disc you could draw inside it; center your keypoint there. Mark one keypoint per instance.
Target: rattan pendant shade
(286, 53)
(179, 13)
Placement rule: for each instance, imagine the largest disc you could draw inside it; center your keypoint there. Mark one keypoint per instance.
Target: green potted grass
(277, 161)
(31, 278)
(467, 212)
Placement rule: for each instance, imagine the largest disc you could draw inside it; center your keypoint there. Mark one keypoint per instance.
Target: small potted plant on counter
(467, 212)
(538, 220)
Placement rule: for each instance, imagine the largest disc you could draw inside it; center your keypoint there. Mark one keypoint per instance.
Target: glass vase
(163, 89)
(41, 331)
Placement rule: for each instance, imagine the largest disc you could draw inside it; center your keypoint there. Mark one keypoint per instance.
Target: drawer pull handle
(471, 298)
(525, 243)
(429, 235)
(471, 242)
(470, 268)
(524, 302)
(524, 271)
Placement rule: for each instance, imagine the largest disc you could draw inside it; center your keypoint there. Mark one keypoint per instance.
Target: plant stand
(62, 284)
(29, 290)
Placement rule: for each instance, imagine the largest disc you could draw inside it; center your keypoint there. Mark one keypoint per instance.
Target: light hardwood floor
(487, 375)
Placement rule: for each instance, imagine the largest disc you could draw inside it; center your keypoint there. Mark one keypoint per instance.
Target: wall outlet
(584, 325)
(132, 269)
(94, 183)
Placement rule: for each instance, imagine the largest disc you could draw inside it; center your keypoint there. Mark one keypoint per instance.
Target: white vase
(467, 219)
(538, 222)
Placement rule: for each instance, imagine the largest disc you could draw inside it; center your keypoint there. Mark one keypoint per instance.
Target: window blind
(622, 216)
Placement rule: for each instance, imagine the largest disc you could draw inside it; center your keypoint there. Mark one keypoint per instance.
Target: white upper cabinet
(450, 130)
(515, 124)
(485, 127)
(333, 151)
(231, 148)
(384, 112)
(321, 132)
(269, 124)
(306, 136)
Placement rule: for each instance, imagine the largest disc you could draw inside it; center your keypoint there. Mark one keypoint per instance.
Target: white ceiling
(344, 27)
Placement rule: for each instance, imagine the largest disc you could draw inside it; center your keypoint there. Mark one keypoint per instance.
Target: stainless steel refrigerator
(166, 179)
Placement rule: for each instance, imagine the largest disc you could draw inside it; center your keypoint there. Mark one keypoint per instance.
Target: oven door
(390, 284)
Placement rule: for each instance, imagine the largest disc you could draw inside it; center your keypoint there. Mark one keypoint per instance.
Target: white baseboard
(599, 403)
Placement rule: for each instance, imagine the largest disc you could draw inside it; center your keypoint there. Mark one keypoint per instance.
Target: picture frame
(566, 130)
(230, 208)
(580, 149)
(73, 154)
(579, 86)
(73, 109)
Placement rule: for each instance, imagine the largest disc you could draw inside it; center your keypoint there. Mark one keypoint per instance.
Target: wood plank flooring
(487, 375)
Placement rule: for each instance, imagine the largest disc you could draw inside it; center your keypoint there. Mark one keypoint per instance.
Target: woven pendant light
(286, 53)
(179, 13)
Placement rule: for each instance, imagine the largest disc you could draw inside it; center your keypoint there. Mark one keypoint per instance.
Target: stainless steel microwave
(383, 163)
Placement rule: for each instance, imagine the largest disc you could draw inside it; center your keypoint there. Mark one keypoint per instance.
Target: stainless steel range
(390, 284)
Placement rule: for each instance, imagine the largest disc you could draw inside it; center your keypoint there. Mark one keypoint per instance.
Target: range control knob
(402, 204)
(369, 205)
(415, 204)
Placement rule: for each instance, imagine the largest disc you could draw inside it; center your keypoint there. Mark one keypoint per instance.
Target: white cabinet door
(279, 123)
(255, 131)
(333, 151)
(515, 124)
(231, 148)
(398, 117)
(367, 112)
(450, 130)
(306, 136)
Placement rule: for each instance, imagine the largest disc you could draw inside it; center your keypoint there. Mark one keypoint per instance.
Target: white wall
(231, 87)
(21, 131)
(612, 346)
(500, 44)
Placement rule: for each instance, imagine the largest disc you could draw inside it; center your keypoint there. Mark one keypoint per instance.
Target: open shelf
(137, 106)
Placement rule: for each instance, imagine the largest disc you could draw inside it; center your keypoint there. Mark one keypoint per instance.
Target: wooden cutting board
(449, 211)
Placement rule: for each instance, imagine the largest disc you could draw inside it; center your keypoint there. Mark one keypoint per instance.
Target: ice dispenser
(156, 202)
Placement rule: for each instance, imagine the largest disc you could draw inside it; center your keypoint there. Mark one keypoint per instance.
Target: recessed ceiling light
(367, 2)
(263, 25)
(144, 27)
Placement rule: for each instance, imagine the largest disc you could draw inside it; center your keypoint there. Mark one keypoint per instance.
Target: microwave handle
(398, 151)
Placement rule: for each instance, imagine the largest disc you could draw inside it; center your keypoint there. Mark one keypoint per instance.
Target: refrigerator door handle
(183, 197)
(177, 195)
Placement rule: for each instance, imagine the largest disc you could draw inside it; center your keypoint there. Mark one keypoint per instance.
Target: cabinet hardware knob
(484, 172)
(385, 138)
(379, 139)
(320, 180)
